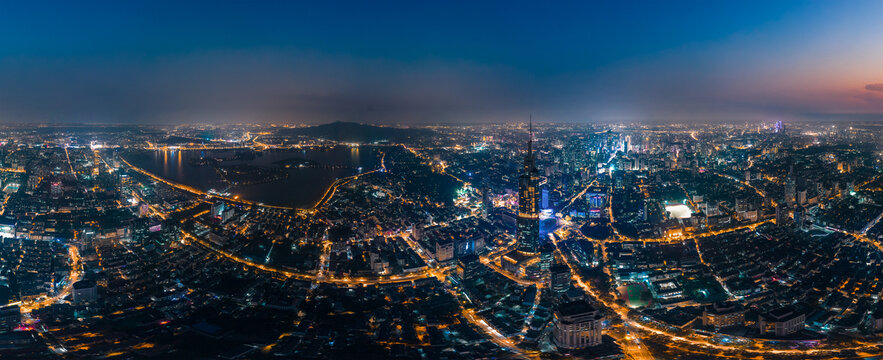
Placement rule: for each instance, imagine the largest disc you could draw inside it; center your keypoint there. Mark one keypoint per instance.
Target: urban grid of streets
(625, 332)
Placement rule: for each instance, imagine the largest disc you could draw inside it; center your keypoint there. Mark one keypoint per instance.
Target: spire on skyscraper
(530, 135)
(529, 161)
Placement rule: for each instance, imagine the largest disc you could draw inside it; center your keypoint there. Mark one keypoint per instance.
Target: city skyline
(526, 241)
(273, 180)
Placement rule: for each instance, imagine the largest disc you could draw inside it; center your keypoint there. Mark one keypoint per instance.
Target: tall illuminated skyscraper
(528, 201)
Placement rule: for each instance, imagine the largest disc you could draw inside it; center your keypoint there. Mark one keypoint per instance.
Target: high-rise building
(85, 291)
(547, 257)
(444, 250)
(227, 214)
(790, 187)
(417, 231)
(487, 202)
(218, 209)
(469, 267)
(528, 202)
(10, 317)
(781, 322)
(222, 212)
(722, 315)
(96, 164)
(577, 325)
(876, 320)
(790, 191)
(561, 278)
(781, 214)
(597, 197)
(55, 189)
(800, 217)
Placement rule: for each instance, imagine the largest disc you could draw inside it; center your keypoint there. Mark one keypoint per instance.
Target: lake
(311, 171)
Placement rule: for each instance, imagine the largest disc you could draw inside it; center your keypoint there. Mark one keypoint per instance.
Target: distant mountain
(358, 133)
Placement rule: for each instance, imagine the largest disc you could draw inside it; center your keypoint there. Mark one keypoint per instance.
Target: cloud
(874, 87)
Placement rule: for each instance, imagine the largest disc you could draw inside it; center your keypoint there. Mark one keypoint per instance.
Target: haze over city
(433, 62)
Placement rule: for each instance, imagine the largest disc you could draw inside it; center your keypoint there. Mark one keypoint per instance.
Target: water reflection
(302, 188)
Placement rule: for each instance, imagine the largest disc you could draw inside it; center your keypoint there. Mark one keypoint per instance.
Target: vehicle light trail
(345, 280)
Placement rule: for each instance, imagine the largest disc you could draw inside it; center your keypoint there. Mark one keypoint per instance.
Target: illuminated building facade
(723, 315)
(577, 325)
(560, 278)
(781, 322)
(10, 317)
(221, 212)
(528, 222)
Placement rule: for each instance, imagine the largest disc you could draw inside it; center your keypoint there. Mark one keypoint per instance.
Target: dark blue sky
(430, 62)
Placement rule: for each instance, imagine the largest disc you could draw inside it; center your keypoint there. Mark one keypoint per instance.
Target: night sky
(440, 62)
